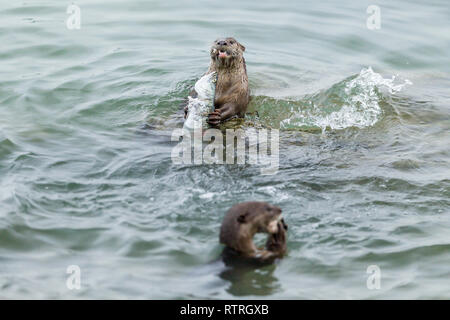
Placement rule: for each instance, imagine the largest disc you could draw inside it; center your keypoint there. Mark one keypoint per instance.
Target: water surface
(364, 176)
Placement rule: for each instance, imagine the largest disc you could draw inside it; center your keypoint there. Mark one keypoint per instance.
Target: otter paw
(285, 226)
(214, 118)
(276, 242)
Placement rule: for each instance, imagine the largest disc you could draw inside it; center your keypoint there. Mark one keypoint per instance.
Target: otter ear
(242, 218)
(241, 46)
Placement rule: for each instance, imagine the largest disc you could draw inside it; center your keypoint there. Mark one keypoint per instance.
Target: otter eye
(268, 208)
(231, 42)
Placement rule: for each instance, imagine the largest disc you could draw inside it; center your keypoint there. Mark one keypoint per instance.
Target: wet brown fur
(232, 92)
(244, 220)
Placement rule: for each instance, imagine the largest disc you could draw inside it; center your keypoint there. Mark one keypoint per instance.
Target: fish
(202, 105)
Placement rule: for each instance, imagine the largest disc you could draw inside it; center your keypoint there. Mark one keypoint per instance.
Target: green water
(86, 176)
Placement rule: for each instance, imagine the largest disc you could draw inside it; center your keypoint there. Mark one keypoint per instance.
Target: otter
(232, 93)
(244, 220)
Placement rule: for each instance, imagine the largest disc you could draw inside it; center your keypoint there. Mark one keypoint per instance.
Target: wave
(353, 102)
(356, 101)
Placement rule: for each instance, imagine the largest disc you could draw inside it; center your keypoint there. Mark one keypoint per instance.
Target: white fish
(203, 104)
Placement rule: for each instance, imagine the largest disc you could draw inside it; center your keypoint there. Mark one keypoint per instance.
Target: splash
(354, 102)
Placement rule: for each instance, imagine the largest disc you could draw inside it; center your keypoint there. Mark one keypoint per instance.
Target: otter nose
(222, 43)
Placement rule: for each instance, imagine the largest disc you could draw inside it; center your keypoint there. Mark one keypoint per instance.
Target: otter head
(226, 53)
(262, 216)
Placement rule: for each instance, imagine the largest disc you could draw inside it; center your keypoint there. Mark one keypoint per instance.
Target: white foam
(360, 104)
(201, 106)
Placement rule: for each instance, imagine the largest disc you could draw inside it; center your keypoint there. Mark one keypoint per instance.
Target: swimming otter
(246, 219)
(232, 94)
